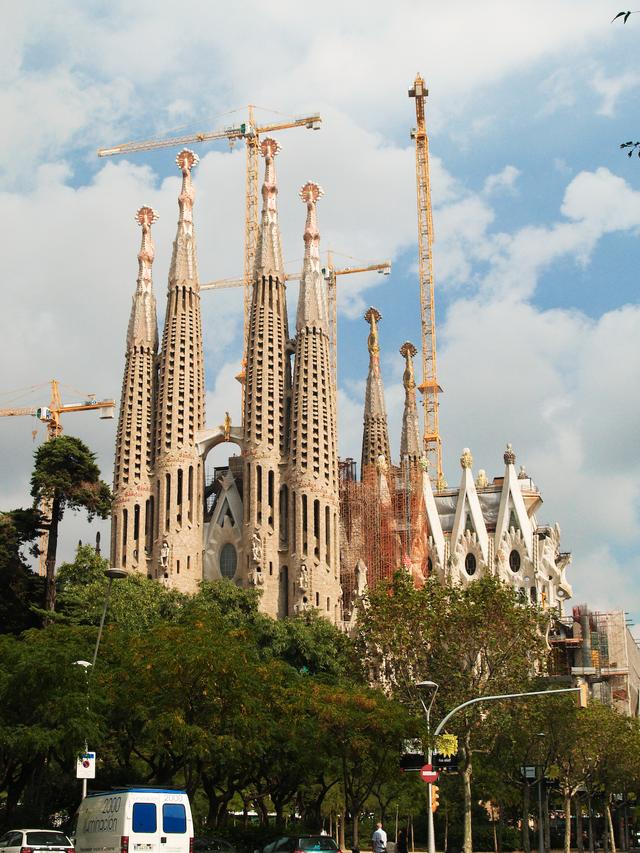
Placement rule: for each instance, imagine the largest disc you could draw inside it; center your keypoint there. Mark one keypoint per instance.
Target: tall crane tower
(50, 415)
(429, 387)
(330, 273)
(250, 132)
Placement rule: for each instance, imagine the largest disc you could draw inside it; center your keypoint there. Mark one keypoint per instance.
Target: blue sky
(536, 213)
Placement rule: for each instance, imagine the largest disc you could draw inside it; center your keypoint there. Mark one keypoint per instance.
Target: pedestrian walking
(401, 844)
(379, 839)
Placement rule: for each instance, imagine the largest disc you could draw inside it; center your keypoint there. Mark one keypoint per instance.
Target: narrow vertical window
(190, 492)
(259, 493)
(179, 495)
(270, 490)
(305, 532)
(316, 528)
(125, 525)
(167, 500)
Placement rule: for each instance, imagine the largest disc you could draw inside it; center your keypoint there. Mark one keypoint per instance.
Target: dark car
(302, 844)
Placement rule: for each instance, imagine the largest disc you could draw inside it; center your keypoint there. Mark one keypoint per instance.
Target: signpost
(428, 774)
(86, 769)
(445, 762)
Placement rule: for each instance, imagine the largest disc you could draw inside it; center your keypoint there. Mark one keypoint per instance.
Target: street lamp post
(112, 573)
(431, 687)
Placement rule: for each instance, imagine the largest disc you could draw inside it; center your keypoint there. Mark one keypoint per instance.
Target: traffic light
(435, 797)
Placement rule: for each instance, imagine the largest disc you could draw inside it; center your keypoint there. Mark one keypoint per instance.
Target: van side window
(144, 817)
(174, 818)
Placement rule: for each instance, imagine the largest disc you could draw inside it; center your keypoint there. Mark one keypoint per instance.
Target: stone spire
(267, 407)
(177, 553)
(375, 439)
(268, 249)
(313, 457)
(410, 436)
(132, 512)
(312, 301)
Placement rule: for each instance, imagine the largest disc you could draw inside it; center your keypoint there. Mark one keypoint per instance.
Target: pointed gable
(468, 511)
(512, 511)
(433, 519)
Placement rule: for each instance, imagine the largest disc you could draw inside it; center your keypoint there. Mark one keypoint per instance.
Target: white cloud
(612, 88)
(504, 180)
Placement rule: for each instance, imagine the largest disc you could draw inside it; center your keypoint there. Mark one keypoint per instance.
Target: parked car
(35, 841)
(302, 844)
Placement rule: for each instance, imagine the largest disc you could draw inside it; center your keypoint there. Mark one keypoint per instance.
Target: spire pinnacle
(375, 441)
(143, 327)
(186, 160)
(145, 217)
(268, 251)
(312, 308)
(373, 317)
(410, 437)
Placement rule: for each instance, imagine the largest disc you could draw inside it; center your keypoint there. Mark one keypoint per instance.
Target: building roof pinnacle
(312, 306)
(143, 324)
(186, 160)
(268, 251)
(375, 440)
(410, 436)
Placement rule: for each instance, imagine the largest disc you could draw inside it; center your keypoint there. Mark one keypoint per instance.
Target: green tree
(65, 475)
(44, 721)
(136, 603)
(20, 588)
(473, 640)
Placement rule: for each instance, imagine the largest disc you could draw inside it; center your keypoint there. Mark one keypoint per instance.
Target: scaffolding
(384, 524)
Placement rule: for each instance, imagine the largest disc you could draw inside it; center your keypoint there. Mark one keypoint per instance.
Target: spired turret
(178, 478)
(313, 459)
(375, 439)
(410, 436)
(267, 403)
(133, 506)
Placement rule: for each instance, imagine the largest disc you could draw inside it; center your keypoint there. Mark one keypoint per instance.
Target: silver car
(35, 841)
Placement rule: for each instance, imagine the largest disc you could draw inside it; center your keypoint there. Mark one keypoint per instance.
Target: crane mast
(429, 387)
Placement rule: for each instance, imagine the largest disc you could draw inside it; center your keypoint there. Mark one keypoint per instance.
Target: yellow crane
(429, 387)
(330, 273)
(250, 132)
(50, 415)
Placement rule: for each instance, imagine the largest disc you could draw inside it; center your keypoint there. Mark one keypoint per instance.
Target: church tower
(267, 404)
(375, 439)
(177, 551)
(313, 460)
(133, 504)
(410, 435)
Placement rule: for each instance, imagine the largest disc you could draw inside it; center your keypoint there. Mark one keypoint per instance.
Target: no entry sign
(428, 774)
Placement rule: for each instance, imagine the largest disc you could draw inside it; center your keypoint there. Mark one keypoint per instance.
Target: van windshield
(174, 818)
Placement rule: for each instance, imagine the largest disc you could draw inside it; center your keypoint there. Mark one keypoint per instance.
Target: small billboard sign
(86, 766)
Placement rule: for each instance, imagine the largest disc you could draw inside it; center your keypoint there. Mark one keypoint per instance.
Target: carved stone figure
(256, 547)
(164, 554)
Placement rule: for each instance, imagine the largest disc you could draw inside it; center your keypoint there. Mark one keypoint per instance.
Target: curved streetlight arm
(446, 719)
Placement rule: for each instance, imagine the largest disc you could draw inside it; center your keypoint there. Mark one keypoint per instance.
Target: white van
(135, 820)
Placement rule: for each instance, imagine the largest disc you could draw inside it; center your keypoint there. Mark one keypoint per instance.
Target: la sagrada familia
(286, 515)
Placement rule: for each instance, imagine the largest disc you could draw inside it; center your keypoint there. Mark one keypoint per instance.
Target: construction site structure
(429, 385)
(250, 132)
(51, 416)
(599, 649)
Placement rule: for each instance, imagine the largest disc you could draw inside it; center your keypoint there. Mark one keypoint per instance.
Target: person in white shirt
(379, 839)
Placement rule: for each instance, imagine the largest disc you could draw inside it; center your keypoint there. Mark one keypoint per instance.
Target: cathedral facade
(285, 515)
